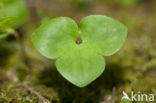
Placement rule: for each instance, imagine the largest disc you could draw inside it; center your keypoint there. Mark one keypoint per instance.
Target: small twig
(113, 93)
(26, 58)
(32, 91)
(28, 64)
(41, 98)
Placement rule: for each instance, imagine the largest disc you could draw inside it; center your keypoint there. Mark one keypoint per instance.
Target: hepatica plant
(79, 50)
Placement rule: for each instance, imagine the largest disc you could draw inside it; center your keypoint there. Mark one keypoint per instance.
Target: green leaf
(79, 63)
(3, 36)
(54, 38)
(15, 8)
(105, 34)
(6, 22)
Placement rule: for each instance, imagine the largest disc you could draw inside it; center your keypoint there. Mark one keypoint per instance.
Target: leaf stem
(25, 57)
(22, 47)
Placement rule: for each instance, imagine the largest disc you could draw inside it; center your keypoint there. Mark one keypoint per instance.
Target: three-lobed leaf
(80, 63)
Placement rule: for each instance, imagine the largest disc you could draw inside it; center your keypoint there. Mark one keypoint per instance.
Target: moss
(15, 93)
(112, 77)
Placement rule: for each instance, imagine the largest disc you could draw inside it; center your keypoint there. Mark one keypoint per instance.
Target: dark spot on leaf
(79, 40)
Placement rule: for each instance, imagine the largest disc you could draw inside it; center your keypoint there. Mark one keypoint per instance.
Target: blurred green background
(133, 68)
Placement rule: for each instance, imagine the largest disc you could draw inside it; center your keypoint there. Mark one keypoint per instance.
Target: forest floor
(133, 68)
